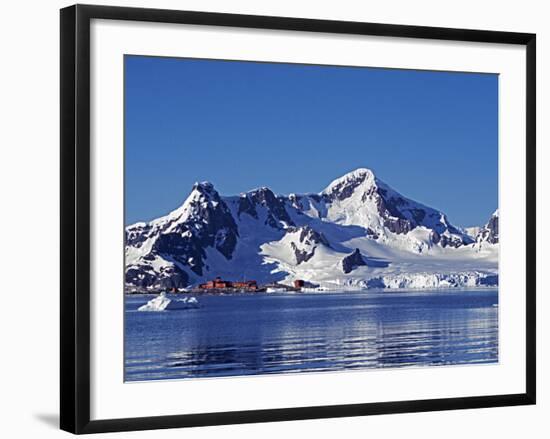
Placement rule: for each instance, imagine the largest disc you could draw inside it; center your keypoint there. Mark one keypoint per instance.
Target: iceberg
(164, 303)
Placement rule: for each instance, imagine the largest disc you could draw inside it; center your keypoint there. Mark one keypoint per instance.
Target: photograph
(284, 218)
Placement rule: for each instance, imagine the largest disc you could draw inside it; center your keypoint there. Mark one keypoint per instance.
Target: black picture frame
(75, 218)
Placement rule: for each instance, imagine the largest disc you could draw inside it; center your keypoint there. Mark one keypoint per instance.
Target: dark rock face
(398, 225)
(352, 261)
(393, 210)
(345, 189)
(266, 198)
(302, 255)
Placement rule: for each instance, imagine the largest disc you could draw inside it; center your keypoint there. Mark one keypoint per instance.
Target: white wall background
(29, 249)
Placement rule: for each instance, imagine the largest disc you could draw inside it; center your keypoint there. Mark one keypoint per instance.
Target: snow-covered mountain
(356, 232)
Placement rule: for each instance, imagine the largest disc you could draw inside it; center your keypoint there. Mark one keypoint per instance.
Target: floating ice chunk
(163, 303)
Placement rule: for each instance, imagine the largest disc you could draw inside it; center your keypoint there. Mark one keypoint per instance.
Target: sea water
(249, 334)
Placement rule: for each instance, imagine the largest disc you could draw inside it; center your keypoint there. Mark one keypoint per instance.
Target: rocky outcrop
(352, 261)
(306, 243)
(302, 255)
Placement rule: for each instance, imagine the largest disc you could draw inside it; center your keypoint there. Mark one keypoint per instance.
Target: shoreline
(297, 292)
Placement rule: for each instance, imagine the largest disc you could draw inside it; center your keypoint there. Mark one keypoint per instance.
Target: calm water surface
(282, 333)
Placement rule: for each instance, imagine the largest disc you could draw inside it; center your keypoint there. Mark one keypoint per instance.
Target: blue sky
(433, 136)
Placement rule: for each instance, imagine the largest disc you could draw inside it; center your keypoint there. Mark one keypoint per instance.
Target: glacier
(356, 233)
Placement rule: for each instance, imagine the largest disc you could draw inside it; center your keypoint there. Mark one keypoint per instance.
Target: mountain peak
(203, 186)
(350, 181)
(202, 191)
(360, 172)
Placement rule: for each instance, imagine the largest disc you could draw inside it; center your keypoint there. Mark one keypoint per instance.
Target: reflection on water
(262, 334)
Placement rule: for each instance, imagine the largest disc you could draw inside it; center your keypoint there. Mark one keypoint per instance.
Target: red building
(219, 283)
(248, 284)
(299, 283)
(216, 283)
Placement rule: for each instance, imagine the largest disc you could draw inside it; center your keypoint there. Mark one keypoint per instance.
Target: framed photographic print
(269, 218)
